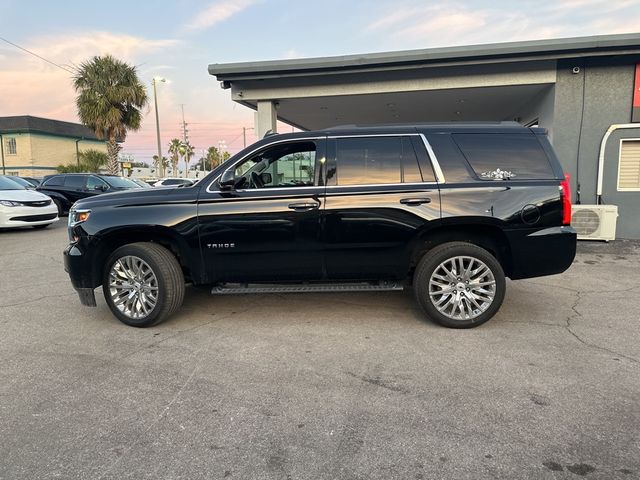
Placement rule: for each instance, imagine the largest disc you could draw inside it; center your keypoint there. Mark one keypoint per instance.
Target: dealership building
(585, 91)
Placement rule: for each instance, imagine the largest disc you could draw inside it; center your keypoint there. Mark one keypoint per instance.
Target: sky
(178, 39)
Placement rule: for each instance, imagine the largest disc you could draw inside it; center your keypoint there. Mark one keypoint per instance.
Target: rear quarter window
(521, 156)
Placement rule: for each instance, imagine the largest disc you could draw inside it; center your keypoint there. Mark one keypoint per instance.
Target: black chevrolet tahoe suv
(448, 210)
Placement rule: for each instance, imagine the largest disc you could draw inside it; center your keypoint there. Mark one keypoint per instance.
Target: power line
(39, 56)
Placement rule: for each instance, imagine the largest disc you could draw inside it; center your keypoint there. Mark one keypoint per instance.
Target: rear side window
(376, 160)
(497, 156)
(54, 181)
(75, 181)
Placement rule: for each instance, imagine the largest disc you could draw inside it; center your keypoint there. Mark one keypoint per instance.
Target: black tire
(170, 282)
(432, 260)
(58, 204)
(40, 227)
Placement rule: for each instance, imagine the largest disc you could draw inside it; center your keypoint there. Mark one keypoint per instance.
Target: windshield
(20, 181)
(8, 184)
(119, 182)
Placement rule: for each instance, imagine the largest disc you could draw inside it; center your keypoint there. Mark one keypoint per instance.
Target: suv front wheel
(143, 284)
(459, 285)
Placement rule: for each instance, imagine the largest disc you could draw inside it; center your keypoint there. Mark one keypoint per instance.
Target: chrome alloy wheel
(462, 288)
(133, 287)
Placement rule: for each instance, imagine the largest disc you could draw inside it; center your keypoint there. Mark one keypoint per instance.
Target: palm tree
(176, 150)
(188, 153)
(110, 101)
(93, 160)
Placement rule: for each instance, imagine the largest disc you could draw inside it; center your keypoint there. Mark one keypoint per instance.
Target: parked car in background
(67, 188)
(21, 207)
(173, 182)
(21, 181)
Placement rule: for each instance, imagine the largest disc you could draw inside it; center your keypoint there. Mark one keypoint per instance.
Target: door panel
(267, 228)
(262, 235)
(375, 204)
(369, 230)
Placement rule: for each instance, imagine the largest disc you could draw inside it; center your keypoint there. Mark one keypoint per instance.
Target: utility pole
(185, 137)
(155, 101)
(244, 135)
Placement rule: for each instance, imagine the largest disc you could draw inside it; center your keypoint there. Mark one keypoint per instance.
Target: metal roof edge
(559, 46)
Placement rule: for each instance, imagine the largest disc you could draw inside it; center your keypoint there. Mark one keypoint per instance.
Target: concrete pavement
(311, 386)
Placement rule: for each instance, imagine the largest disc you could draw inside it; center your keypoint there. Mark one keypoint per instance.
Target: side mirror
(227, 180)
(101, 188)
(266, 178)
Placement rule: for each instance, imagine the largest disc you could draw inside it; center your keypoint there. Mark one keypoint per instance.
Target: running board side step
(238, 288)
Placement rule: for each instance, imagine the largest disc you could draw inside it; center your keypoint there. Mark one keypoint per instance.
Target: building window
(10, 146)
(629, 165)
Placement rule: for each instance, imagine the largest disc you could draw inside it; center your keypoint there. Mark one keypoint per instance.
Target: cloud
(292, 53)
(414, 25)
(32, 86)
(217, 12)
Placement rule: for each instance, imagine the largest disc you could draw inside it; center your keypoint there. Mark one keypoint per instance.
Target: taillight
(566, 200)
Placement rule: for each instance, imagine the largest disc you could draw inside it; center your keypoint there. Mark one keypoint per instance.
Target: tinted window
(75, 181)
(93, 182)
(376, 160)
(519, 154)
(54, 181)
(172, 182)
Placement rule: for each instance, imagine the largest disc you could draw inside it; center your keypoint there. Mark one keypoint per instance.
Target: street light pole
(155, 101)
(244, 135)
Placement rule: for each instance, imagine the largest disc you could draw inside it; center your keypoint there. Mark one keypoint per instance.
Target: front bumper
(78, 267)
(542, 252)
(24, 216)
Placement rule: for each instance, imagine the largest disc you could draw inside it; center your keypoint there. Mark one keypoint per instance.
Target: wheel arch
(478, 231)
(113, 239)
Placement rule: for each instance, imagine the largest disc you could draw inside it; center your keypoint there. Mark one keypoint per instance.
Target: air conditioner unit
(595, 222)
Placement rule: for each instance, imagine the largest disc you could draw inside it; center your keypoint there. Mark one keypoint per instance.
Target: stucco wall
(608, 93)
(23, 151)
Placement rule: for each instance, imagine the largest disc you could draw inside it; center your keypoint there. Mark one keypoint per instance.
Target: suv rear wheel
(459, 285)
(143, 284)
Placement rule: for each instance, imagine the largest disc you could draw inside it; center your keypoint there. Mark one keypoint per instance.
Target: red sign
(635, 112)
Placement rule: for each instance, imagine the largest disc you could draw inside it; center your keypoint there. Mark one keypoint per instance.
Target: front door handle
(415, 201)
(304, 206)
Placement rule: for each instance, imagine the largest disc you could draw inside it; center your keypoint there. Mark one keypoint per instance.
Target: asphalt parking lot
(331, 386)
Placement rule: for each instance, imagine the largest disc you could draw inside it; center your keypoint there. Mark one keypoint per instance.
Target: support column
(266, 118)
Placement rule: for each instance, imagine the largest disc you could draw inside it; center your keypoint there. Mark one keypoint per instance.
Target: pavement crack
(576, 314)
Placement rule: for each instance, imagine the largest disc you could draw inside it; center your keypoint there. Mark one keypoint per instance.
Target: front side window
(94, 182)
(376, 160)
(10, 146)
(282, 166)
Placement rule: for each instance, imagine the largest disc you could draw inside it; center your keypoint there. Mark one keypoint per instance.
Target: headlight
(78, 216)
(9, 203)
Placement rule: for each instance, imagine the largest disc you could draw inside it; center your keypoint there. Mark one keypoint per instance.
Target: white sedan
(20, 207)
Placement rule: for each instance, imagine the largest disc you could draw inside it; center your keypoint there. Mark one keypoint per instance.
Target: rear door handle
(304, 206)
(415, 201)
